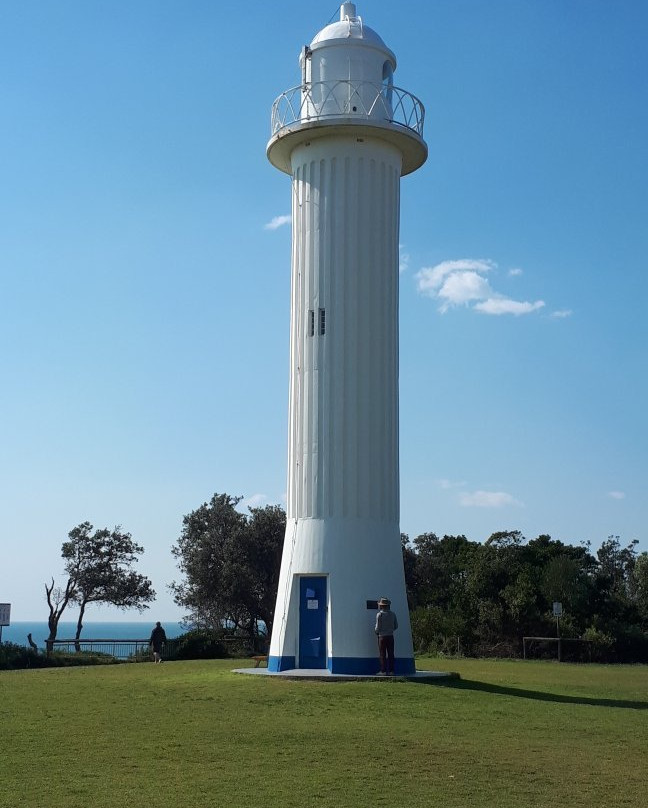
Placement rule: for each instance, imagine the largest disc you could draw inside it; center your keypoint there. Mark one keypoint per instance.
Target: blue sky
(145, 298)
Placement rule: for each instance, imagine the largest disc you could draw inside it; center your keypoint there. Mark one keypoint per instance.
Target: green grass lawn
(193, 734)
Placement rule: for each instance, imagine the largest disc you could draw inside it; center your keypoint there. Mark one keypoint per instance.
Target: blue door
(312, 622)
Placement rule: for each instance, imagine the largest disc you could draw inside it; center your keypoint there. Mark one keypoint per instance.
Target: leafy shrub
(144, 654)
(65, 659)
(601, 644)
(437, 632)
(631, 644)
(19, 657)
(199, 643)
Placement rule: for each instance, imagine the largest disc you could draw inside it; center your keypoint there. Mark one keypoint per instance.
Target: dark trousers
(386, 652)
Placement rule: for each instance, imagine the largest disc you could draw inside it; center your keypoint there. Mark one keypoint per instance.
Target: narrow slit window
(322, 322)
(311, 323)
(388, 82)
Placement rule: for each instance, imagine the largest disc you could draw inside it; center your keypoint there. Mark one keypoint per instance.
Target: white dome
(351, 28)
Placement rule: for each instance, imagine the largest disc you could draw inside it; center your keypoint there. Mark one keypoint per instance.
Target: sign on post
(5, 616)
(557, 610)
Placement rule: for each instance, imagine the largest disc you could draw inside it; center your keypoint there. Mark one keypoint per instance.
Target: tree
(504, 539)
(618, 608)
(100, 565)
(437, 589)
(640, 587)
(230, 564)
(490, 595)
(409, 567)
(202, 551)
(563, 580)
(263, 541)
(57, 600)
(616, 564)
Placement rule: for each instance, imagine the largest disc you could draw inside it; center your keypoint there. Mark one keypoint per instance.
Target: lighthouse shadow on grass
(535, 695)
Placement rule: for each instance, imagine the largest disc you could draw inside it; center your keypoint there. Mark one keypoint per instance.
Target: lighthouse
(345, 135)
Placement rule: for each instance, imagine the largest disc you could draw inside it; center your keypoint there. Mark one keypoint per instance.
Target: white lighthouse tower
(346, 135)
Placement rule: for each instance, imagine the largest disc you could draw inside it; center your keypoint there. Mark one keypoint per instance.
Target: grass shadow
(536, 695)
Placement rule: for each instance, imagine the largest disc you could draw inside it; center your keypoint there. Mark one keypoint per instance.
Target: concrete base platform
(321, 675)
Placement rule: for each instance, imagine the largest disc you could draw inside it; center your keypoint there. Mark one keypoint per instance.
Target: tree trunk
(52, 623)
(57, 601)
(82, 605)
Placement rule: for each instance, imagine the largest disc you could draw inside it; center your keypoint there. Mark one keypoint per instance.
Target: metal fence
(572, 649)
(139, 651)
(120, 649)
(348, 99)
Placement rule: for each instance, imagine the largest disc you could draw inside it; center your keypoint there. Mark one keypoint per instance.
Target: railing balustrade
(120, 649)
(138, 650)
(324, 100)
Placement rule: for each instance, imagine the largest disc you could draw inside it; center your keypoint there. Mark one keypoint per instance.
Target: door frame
(323, 612)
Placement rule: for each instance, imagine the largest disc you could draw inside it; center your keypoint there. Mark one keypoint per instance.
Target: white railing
(347, 99)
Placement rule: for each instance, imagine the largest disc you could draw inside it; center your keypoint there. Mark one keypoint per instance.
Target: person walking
(158, 638)
(386, 625)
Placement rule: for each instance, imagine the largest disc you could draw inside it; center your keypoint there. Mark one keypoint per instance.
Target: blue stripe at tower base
(356, 666)
(369, 666)
(276, 664)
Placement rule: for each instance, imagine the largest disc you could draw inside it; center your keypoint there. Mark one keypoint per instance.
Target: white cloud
(504, 305)
(487, 499)
(616, 494)
(255, 501)
(462, 287)
(429, 279)
(561, 313)
(463, 282)
(278, 221)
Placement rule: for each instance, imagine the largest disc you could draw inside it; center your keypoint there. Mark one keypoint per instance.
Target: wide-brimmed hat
(384, 602)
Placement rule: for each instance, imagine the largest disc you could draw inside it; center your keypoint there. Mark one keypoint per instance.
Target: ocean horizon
(92, 630)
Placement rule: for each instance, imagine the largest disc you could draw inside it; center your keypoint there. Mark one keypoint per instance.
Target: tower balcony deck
(392, 113)
(360, 99)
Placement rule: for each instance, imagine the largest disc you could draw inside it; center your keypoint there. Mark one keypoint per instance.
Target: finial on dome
(347, 11)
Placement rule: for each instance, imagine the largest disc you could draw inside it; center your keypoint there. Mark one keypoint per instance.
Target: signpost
(557, 610)
(5, 616)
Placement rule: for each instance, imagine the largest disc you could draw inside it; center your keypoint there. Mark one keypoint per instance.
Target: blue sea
(139, 630)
